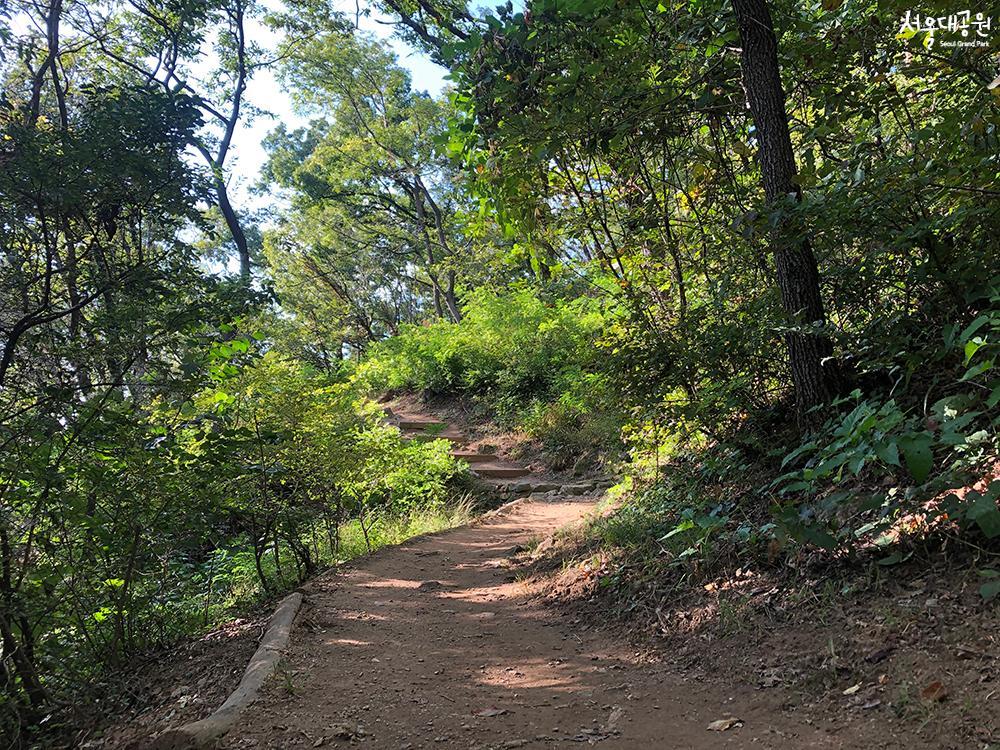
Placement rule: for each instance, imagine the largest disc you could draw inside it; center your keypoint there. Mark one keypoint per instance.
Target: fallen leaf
(879, 655)
(934, 692)
(489, 712)
(616, 715)
(852, 689)
(721, 725)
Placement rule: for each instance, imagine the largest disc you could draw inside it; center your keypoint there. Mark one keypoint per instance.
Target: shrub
(530, 361)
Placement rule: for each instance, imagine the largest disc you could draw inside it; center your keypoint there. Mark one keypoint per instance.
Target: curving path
(437, 644)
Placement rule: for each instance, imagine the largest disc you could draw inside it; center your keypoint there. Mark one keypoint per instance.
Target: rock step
(474, 457)
(426, 437)
(418, 423)
(498, 471)
(539, 488)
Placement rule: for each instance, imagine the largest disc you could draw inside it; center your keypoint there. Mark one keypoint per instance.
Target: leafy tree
(373, 197)
(621, 134)
(166, 47)
(158, 468)
(97, 292)
(810, 354)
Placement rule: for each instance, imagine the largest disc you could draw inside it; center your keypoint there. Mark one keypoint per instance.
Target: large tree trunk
(814, 373)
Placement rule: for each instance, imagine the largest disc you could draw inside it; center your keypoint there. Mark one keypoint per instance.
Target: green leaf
(819, 537)
(797, 452)
(895, 559)
(994, 398)
(971, 347)
(990, 590)
(974, 326)
(985, 514)
(795, 487)
(888, 452)
(917, 454)
(977, 370)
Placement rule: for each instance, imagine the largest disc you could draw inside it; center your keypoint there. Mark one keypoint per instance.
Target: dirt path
(436, 644)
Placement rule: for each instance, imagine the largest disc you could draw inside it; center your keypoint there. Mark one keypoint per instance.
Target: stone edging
(206, 732)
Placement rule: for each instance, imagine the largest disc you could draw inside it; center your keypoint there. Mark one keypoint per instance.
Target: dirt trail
(436, 644)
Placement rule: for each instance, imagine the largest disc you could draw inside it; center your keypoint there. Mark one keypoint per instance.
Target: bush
(162, 518)
(880, 469)
(529, 361)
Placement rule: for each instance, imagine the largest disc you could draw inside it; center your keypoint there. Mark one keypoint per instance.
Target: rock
(541, 487)
(723, 725)
(345, 731)
(577, 489)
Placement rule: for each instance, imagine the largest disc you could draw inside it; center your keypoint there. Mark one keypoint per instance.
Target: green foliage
(380, 231)
(575, 237)
(530, 360)
(876, 473)
(163, 518)
(912, 455)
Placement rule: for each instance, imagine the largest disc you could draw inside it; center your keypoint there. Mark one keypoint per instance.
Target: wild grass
(230, 586)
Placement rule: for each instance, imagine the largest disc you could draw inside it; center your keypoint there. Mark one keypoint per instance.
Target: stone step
(525, 486)
(426, 437)
(498, 471)
(418, 423)
(473, 457)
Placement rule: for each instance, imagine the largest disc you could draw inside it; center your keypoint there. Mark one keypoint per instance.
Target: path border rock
(206, 732)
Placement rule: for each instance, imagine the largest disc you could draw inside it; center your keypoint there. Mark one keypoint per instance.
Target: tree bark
(814, 372)
(235, 228)
(451, 300)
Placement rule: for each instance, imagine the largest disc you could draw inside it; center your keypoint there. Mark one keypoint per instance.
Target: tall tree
(168, 47)
(375, 200)
(93, 280)
(810, 352)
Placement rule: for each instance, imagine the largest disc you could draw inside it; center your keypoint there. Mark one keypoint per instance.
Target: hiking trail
(438, 643)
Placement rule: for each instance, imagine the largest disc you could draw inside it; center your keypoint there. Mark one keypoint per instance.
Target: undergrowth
(526, 360)
(884, 475)
(226, 586)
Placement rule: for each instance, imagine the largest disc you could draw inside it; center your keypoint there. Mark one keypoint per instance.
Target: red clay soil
(437, 644)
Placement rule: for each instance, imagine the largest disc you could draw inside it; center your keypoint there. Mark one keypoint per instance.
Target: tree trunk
(814, 373)
(451, 300)
(20, 652)
(235, 228)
